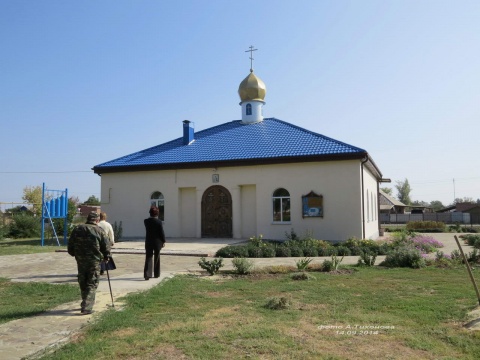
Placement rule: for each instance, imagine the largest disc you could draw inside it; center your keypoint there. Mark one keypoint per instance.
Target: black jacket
(155, 237)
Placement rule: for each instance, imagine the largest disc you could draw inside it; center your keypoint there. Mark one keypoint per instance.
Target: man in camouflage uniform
(89, 244)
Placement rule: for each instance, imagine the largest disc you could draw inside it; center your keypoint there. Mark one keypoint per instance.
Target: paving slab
(30, 336)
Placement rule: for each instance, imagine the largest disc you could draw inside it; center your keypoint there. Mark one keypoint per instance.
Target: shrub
(268, 252)
(310, 251)
(473, 257)
(3, 231)
(283, 251)
(255, 252)
(232, 251)
(336, 261)
(367, 259)
(327, 266)
(301, 276)
(343, 251)
(278, 303)
(426, 226)
(24, 226)
(426, 244)
(469, 229)
(292, 235)
(472, 240)
(384, 249)
(296, 251)
(242, 266)
(117, 230)
(212, 267)
(404, 256)
(302, 264)
(276, 269)
(256, 241)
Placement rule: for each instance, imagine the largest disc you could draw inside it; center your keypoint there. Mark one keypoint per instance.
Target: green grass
(20, 299)
(29, 246)
(227, 317)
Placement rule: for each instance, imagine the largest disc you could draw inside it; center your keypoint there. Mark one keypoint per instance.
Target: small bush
(232, 251)
(242, 266)
(310, 251)
(343, 251)
(404, 256)
(268, 252)
(469, 230)
(24, 226)
(426, 226)
(426, 244)
(472, 240)
(212, 267)
(296, 251)
(283, 251)
(302, 275)
(367, 259)
(327, 266)
(117, 231)
(276, 269)
(255, 252)
(302, 264)
(278, 303)
(473, 257)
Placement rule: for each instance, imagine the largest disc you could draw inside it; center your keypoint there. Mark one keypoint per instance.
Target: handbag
(110, 265)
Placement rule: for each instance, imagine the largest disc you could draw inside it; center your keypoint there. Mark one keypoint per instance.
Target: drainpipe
(363, 200)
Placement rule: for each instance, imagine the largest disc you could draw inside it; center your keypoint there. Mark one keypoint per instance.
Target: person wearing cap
(89, 244)
(154, 242)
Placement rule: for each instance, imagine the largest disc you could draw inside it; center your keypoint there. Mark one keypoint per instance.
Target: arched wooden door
(217, 212)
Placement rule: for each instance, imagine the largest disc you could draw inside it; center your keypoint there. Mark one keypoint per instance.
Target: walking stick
(468, 268)
(109, 285)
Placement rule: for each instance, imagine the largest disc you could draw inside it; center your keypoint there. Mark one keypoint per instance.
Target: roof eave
(229, 163)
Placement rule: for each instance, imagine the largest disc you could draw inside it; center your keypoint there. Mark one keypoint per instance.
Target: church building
(249, 177)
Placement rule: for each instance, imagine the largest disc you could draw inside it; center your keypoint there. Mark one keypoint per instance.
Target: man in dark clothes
(89, 244)
(154, 242)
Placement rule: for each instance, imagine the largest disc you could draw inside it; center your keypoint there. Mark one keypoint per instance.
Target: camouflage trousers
(88, 279)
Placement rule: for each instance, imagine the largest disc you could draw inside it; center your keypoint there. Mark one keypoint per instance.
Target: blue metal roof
(236, 141)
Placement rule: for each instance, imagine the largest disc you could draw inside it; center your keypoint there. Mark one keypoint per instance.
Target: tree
(92, 200)
(33, 195)
(436, 205)
(403, 189)
(467, 200)
(387, 190)
(420, 203)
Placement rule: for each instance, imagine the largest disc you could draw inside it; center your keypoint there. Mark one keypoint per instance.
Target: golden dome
(252, 88)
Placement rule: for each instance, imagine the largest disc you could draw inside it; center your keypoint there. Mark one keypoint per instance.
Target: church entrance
(217, 212)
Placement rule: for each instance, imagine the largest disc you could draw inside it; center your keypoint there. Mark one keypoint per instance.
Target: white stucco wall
(125, 197)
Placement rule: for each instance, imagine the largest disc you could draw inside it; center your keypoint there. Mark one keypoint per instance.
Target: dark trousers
(88, 280)
(152, 262)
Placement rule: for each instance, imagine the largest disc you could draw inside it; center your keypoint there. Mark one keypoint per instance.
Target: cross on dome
(251, 56)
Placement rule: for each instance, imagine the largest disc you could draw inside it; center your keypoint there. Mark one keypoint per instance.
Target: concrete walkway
(30, 336)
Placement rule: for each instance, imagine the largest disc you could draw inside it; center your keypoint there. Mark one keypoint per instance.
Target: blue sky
(87, 82)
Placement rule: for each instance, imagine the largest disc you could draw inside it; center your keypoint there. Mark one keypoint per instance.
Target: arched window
(281, 205)
(249, 109)
(158, 200)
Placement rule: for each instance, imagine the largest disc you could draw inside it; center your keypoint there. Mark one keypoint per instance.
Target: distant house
(390, 205)
(84, 210)
(472, 209)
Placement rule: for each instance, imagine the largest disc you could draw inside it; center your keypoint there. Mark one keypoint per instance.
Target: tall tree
(436, 205)
(467, 200)
(33, 195)
(387, 190)
(92, 200)
(403, 191)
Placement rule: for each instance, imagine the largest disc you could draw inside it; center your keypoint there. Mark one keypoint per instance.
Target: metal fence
(447, 218)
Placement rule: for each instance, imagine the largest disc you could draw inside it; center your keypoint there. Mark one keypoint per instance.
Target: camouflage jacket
(88, 243)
